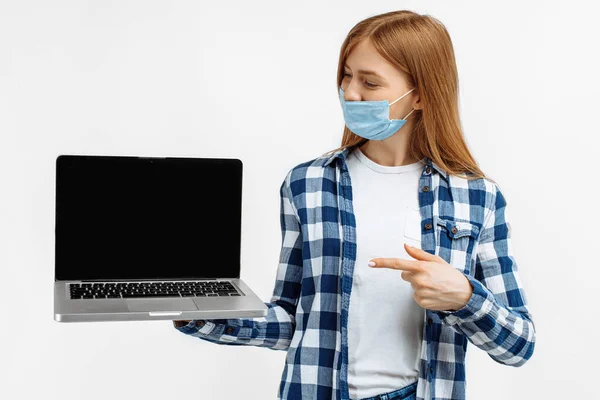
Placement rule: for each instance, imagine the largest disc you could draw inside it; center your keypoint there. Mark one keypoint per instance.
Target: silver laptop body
(149, 238)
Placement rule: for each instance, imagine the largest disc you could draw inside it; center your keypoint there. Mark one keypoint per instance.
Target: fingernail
(371, 264)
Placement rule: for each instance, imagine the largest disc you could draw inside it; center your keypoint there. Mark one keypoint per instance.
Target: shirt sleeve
(275, 330)
(496, 318)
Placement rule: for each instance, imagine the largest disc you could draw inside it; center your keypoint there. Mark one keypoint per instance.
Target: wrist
(465, 294)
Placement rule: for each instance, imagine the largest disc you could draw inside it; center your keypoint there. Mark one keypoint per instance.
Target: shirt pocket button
(459, 237)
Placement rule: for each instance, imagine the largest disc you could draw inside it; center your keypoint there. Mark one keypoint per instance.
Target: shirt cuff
(479, 303)
(223, 329)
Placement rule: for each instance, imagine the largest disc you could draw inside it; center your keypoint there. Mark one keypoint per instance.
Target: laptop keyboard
(125, 290)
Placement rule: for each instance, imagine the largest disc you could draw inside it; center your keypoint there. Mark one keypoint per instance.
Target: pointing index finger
(396, 263)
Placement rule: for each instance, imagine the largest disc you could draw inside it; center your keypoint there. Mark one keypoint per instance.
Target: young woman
(361, 313)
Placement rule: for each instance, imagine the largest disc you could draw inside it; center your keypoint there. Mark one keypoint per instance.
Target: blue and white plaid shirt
(464, 222)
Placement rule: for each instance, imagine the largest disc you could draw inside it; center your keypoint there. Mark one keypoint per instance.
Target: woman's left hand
(437, 284)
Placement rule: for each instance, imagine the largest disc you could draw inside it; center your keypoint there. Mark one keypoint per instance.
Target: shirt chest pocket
(455, 241)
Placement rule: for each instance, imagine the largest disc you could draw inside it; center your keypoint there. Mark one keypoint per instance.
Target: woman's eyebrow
(368, 72)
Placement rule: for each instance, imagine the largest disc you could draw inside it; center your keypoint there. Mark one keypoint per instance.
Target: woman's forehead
(365, 59)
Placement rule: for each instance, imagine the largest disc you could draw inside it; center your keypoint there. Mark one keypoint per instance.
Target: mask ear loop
(409, 113)
(402, 96)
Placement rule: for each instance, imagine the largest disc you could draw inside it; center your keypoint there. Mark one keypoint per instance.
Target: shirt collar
(344, 152)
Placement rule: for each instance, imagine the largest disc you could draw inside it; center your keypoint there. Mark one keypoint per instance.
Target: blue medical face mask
(371, 119)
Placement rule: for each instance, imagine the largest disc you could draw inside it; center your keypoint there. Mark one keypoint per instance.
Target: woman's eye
(367, 83)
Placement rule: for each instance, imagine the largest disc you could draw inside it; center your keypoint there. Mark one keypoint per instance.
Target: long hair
(420, 46)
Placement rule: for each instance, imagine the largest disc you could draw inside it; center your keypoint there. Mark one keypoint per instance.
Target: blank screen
(124, 218)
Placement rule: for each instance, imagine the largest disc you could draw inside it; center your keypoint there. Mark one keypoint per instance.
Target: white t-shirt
(385, 323)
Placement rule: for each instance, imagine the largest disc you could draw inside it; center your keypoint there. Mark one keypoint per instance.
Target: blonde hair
(420, 46)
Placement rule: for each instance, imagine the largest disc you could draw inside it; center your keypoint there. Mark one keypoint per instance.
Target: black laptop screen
(147, 218)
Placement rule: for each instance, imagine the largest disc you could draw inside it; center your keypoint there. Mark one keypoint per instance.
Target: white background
(257, 81)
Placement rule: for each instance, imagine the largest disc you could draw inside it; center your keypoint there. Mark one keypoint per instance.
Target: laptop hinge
(153, 280)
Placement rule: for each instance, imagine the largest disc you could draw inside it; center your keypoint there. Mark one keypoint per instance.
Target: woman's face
(368, 76)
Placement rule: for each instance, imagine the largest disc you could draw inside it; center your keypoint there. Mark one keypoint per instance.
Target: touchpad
(161, 305)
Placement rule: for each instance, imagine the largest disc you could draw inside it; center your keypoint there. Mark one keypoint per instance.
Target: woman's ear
(417, 103)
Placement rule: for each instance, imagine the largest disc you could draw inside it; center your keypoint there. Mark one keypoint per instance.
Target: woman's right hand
(180, 323)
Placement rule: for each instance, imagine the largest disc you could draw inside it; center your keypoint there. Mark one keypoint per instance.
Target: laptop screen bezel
(60, 159)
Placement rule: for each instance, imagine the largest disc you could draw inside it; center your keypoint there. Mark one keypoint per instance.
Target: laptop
(149, 238)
